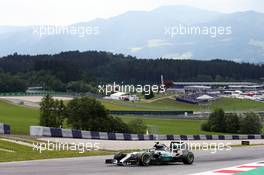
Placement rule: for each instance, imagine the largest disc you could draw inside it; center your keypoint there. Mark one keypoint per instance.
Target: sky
(64, 12)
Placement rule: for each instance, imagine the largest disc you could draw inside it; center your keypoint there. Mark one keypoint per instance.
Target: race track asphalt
(204, 161)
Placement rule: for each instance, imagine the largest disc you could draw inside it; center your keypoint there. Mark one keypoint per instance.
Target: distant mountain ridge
(142, 34)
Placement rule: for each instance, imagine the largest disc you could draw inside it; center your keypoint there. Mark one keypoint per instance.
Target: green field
(19, 117)
(21, 152)
(172, 126)
(228, 104)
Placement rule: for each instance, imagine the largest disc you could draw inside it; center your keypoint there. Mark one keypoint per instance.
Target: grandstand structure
(214, 86)
(191, 91)
(196, 98)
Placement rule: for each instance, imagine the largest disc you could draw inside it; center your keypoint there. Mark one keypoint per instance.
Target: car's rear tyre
(145, 159)
(189, 158)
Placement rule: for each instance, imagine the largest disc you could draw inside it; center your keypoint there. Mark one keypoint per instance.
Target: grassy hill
(20, 118)
(228, 104)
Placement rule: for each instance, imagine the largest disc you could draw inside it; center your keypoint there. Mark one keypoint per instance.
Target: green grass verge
(172, 126)
(19, 117)
(231, 104)
(27, 153)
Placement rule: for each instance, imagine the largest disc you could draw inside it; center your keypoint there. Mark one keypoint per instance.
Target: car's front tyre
(145, 159)
(189, 158)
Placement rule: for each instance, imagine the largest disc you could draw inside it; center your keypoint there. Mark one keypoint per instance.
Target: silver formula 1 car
(159, 154)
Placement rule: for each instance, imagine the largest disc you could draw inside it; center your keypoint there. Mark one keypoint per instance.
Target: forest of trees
(82, 71)
(85, 113)
(219, 121)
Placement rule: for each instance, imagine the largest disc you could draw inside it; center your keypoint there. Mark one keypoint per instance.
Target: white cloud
(135, 49)
(157, 43)
(257, 43)
(179, 56)
(188, 43)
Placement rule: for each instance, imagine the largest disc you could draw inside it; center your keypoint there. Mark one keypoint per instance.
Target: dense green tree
(137, 126)
(202, 77)
(251, 124)
(10, 83)
(80, 86)
(57, 71)
(86, 113)
(148, 95)
(232, 123)
(59, 112)
(219, 78)
(51, 112)
(46, 107)
(219, 121)
(89, 114)
(216, 120)
(205, 126)
(117, 125)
